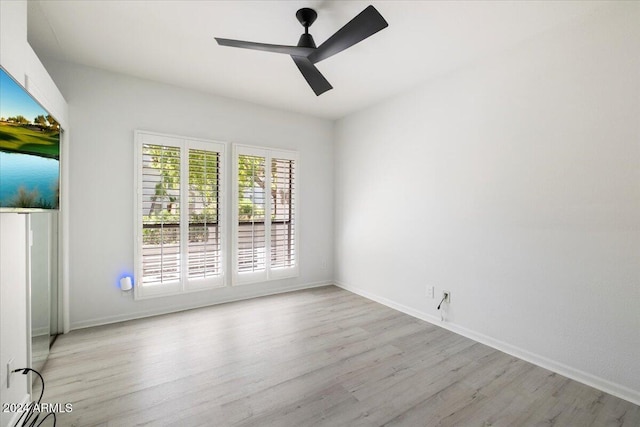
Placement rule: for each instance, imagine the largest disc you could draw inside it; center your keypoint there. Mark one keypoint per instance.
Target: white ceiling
(172, 42)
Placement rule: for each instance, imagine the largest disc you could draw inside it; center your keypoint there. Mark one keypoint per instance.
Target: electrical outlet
(431, 292)
(446, 295)
(9, 372)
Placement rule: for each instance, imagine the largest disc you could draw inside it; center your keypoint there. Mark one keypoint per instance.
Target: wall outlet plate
(431, 292)
(446, 295)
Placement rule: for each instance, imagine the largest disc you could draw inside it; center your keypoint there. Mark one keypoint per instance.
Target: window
(179, 241)
(265, 238)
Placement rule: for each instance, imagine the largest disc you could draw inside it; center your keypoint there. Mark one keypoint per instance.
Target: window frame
(184, 284)
(269, 274)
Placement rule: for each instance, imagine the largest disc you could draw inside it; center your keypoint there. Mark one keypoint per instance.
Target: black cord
(443, 298)
(30, 413)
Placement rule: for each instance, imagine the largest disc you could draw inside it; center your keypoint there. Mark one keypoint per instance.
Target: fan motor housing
(306, 40)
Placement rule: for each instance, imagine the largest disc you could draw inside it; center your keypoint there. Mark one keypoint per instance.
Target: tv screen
(29, 151)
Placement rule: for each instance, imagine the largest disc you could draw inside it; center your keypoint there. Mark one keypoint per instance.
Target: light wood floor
(321, 357)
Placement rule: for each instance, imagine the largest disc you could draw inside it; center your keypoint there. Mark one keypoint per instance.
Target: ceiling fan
(305, 54)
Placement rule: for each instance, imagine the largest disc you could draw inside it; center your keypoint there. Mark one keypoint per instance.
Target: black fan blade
(276, 48)
(366, 24)
(312, 75)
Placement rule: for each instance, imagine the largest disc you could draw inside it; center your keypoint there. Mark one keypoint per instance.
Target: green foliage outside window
(163, 217)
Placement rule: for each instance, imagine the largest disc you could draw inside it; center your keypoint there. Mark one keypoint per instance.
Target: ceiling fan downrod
(306, 17)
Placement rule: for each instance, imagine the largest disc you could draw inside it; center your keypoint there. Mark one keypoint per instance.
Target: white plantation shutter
(283, 247)
(204, 244)
(264, 214)
(160, 214)
(180, 233)
(251, 243)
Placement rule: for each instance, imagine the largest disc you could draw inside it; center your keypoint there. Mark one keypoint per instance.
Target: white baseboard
(607, 386)
(149, 313)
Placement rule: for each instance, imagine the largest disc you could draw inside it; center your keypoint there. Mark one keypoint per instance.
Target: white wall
(105, 109)
(17, 57)
(514, 184)
(40, 268)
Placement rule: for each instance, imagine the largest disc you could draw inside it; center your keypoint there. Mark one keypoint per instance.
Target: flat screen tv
(29, 151)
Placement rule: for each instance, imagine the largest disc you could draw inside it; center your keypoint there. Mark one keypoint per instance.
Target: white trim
(278, 273)
(250, 150)
(184, 217)
(198, 284)
(184, 284)
(268, 274)
(29, 337)
(246, 277)
(267, 214)
(157, 290)
(64, 306)
(150, 313)
(137, 236)
(249, 277)
(591, 380)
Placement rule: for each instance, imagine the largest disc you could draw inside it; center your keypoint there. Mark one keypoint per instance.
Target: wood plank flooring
(319, 357)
